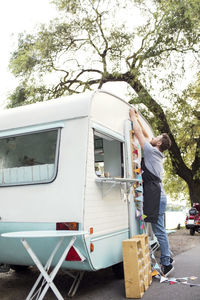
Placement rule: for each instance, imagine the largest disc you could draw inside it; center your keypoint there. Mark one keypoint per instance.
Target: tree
(92, 43)
(187, 133)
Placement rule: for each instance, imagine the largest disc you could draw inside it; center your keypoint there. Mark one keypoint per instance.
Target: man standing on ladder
(154, 195)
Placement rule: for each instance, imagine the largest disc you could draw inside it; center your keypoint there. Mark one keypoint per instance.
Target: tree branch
(162, 125)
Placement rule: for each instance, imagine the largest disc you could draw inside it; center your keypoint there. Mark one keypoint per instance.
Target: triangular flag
(138, 213)
(139, 205)
(157, 267)
(136, 161)
(191, 284)
(154, 273)
(139, 188)
(138, 170)
(135, 151)
(163, 279)
(193, 277)
(140, 198)
(172, 279)
(194, 284)
(172, 282)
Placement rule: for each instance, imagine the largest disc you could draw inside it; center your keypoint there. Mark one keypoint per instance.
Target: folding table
(48, 278)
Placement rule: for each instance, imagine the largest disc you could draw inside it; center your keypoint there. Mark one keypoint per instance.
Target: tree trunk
(194, 190)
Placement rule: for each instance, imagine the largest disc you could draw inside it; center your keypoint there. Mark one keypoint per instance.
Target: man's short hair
(166, 142)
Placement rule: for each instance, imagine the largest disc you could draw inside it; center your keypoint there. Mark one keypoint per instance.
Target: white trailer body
(48, 155)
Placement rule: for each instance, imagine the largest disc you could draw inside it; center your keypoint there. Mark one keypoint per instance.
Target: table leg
(47, 266)
(54, 272)
(75, 284)
(44, 270)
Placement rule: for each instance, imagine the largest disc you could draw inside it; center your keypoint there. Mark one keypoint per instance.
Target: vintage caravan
(66, 164)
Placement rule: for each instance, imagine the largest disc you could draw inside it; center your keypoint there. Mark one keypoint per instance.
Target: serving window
(29, 158)
(108, 156)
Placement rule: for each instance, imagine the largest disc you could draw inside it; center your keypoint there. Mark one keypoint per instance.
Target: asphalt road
(94, 285)
(103, 285)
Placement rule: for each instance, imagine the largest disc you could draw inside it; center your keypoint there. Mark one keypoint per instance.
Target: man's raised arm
(139, 131)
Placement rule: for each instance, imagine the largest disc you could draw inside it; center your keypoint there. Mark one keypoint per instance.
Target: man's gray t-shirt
(153, 160)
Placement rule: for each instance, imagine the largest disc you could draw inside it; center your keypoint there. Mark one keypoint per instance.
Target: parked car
(192, 221)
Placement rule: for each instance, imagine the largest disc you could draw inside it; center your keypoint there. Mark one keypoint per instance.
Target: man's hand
(133, 114)
(140, 132)
(137, 115)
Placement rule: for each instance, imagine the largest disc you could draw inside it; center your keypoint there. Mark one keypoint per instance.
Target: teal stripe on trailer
(13, 252)
(107, 251)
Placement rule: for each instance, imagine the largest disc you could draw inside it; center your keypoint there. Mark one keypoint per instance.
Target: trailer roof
(63, 108)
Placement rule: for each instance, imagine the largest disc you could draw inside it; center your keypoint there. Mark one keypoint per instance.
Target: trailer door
(133, 170)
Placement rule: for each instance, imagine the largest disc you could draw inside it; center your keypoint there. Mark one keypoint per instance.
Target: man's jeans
(160, 233)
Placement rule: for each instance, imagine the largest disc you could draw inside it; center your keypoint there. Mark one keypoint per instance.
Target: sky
(18, 16)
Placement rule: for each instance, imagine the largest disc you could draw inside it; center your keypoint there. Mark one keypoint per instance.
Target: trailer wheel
(118, 270)
(192, 231)
(19, 268)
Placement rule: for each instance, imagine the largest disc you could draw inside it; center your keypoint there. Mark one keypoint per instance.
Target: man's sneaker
(172, 261)
(166, 270)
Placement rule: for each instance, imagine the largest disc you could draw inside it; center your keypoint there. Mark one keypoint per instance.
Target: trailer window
(108, 155)
(29, 158)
